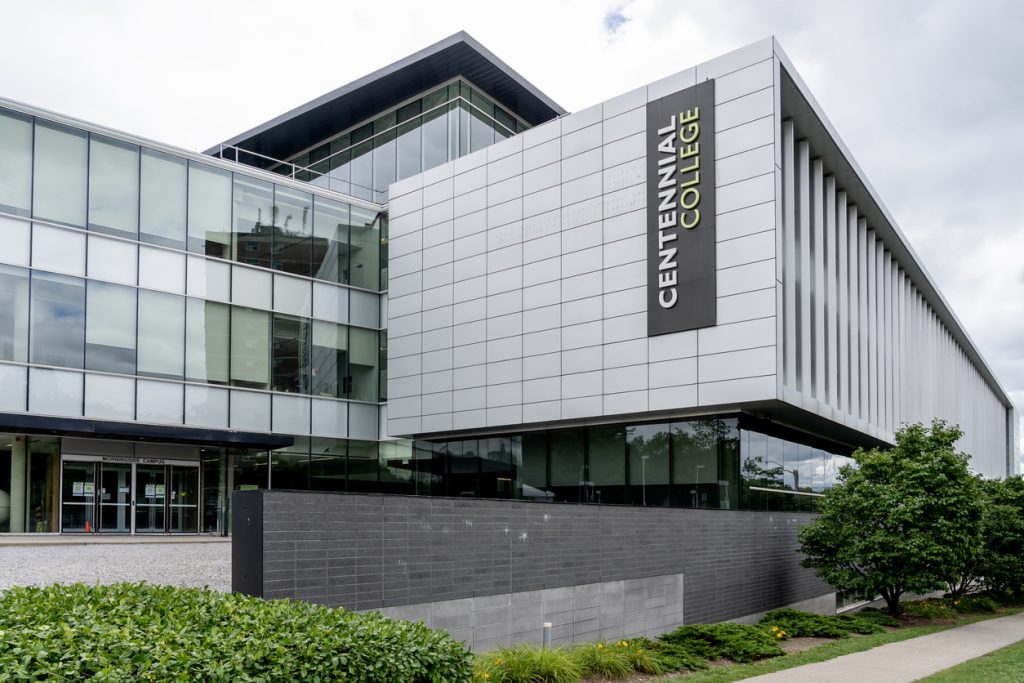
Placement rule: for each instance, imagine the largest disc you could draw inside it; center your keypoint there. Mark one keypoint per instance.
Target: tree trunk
(892, 601)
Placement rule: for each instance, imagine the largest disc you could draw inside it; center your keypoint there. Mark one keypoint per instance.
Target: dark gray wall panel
(369, 551)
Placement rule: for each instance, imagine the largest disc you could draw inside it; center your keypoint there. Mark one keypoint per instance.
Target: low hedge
(139, 632)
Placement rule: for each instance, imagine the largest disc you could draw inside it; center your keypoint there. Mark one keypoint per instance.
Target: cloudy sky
(928, 95)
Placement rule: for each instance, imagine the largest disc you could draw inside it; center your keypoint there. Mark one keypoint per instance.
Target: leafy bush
(527, 664)
(738, 642)
(973, 604)
(929, 609)
(602, 659)
(876, 616)
(796, 624)
(642, 656)
(657, 657)
(138, 632)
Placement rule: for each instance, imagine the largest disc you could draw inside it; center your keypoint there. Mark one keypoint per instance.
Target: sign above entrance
(681, 288)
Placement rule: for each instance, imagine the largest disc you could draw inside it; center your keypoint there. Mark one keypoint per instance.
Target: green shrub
(738, 642)
(795, 624)
(928, 609)
(973, 604)
(676, 658)
(602, 659)
(643, 656)
(527, 664)
(138, 632)
(876, 616)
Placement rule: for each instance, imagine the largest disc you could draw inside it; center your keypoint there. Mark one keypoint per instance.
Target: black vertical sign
(681, 211)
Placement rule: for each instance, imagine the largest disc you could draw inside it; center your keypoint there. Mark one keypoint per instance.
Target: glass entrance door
(78, 497)
(115, 496)
(150, 499)
(183, 503)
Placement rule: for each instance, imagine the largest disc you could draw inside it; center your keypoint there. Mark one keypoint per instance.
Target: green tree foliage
(1001, 562)
(905, 519)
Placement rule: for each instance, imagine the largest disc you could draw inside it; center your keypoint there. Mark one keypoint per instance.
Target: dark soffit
(456, 55)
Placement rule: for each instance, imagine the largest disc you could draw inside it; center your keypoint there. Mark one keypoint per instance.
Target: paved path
(172, 564)
(911, 659)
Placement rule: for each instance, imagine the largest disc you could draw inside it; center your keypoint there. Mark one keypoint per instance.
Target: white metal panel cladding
(853, 317)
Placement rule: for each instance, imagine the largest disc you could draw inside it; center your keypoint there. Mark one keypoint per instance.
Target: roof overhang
(456, 55)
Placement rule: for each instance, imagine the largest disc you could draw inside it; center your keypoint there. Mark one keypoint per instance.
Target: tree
(905, 519)
(1001, 561)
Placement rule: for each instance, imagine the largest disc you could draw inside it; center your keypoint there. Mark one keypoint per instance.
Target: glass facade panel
(15, 163)
(533, 475)
(113, 187)
(397, 467)
(329, 359)
(649, 451)
(14, 313)
(163, 199)
(291, 354)
(208, 326)
(606, 474)
(384, 163)
(293, 231)
(363, 469)
(161, 334)
(250, 469)
(209, 210)
(250, 348)
(110, 328)
(330, 240)
(253, 230)
(327, 464)
(567, 472)
(695, 463)
(464, 468)
(289, 467)
(58, 320)
(365, 248)
(363, 357)
(410, 156)
(60, 174)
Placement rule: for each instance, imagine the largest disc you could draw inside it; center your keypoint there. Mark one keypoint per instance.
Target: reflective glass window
(250, 469)
(505, 126)
(15, 163)
(409, 149)
(340, 173)
(58, 320)
(14, 314)
(728, 464)
(163, 203)
(161, 334)
(207, 327)
(606, 474)
(365, 240)
(648, 464)
(481, 132)
(362, 364)
(533, 475)
(290, 348)
(362, 162)
(110, 328)
(209, 210)
(384, 155)
(113, 187)
(253, 209)
(327, 464)
(396, 467)
(695, 466)
(464, 467)
(250, 348)
(60, 174)
(568, 475)
(289, 467)
(330, 240)
(434, 130)
(363, 469)
(293, 230)
(498, 458)
(329, 359)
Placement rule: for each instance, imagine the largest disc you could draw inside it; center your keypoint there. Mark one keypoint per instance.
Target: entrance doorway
(123, 495)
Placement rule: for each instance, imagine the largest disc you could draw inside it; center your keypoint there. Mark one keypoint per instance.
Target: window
(15, 163)
(113, 187)
(58, 320)
(250, 348)
(253, 229)
(329, 359)
(606, 482)
(161, 334)
(206, 349)
(110, 328)
(293, 230)
(291, 354)
(163, 203)
(60, 174)
(365, 239)
(14, 314)
(209, 210)
(648, 464)
(362, 359)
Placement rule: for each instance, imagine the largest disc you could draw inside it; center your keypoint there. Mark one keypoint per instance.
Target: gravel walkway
(175, 564)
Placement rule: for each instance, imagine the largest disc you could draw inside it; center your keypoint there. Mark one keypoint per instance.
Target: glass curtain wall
(67, 176)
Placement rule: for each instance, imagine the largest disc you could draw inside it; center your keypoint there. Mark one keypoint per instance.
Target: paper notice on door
(150, 490)
(159, 490)
(89, 488)
(78, 488)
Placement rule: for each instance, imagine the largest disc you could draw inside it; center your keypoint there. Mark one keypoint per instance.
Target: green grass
(1005, 666)
(827, 651)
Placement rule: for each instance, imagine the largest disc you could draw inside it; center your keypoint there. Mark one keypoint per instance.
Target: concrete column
(19, 483)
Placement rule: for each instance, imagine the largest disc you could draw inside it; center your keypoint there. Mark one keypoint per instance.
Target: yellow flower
(487, 675)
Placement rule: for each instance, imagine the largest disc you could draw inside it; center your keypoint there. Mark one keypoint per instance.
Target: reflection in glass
(464, 468)
(434, 131)
(648, 464)
(293, 228)
(498, 455)
(396, 467)
(363, 469)
(569, 478)
(409, 154)
(328, 359)
(252, 232)
(15, 163)
(250, 348)
(209, 210)
(58, 320)
(163, 199)
(161, 334)
(330, 240)
(14, 314)
(43, 475)
(207, 327)
(60, 174)
(533, 475)
(113, 187)
(362, 364)
(327, 464)
(110, 328)
(695, 462)
(289, 467)
(607, 471)
(250, 469)
(362, 163)
(291, 354)
(365, 240)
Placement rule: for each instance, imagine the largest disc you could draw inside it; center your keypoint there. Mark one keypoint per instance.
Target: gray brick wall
(373, 551)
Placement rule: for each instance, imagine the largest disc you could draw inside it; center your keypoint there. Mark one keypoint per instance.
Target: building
(433, 281)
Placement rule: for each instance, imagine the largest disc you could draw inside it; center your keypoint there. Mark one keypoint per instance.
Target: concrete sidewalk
(911, 659)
